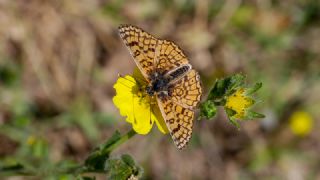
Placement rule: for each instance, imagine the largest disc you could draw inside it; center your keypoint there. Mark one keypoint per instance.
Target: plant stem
(122, 140)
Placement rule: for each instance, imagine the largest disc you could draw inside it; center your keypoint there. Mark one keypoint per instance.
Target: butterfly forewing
(169, 56)
(142, 47)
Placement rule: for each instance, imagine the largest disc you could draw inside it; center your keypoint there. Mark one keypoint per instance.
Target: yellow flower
(301, 123)
(31, 140)
(239, 103)
(139, 108)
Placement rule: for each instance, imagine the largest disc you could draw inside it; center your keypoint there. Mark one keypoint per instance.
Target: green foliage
(220, 95)
(116, 168)
(243, 17)
(252, 115)
(9, 73)
(311, 12)
(253, 89)
(113, 8)
(34, 155)
(230, 113)
(80, 112)
(208, 109)
(122, 168)
(11, 168)
(98, 157)
(217, 95)
(226, 86)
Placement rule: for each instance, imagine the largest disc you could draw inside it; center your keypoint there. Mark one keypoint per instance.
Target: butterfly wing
(169, 56)
(178, 108)
(149, 52)
(141, 45)
(187, 91)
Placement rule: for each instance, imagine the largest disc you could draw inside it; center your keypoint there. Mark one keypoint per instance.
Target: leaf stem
(122, 140)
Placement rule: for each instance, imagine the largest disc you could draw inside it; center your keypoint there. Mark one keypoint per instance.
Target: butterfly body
(158, 83)
(161, 82)
(170, 80)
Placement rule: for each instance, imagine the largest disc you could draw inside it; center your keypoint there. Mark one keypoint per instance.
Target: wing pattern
(169, 56)
(142, 47)
(178, 108)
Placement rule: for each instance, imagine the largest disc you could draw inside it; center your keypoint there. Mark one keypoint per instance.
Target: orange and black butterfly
(170, 79)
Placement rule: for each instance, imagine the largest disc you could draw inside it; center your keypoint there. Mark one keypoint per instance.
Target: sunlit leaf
(208, 110)
(253, 115)
(226, 86)
(254, 89)
(230, 112)
(234, 122)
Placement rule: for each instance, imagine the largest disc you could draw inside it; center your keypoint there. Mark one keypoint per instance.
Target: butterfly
(170, 78)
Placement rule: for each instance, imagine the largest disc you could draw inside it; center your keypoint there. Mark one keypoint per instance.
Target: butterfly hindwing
(187, 91)
(178, 108)
(179, 121)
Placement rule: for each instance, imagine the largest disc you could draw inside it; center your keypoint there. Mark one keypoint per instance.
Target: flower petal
(135, 105)
(160, 121)
(142, 120)
(239, 103)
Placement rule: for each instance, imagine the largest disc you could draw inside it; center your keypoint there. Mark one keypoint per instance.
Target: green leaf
(234, 122)
(254, 115)
(40, 149)
(122, 168)
(208, 109)
(226, 86)
(230, 112)
(234, 82)
(128, 160)
(9, 73)
(255, 88)
(81, 113)
(97, 159)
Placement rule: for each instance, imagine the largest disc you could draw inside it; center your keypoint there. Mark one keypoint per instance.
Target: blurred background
(60, 59)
